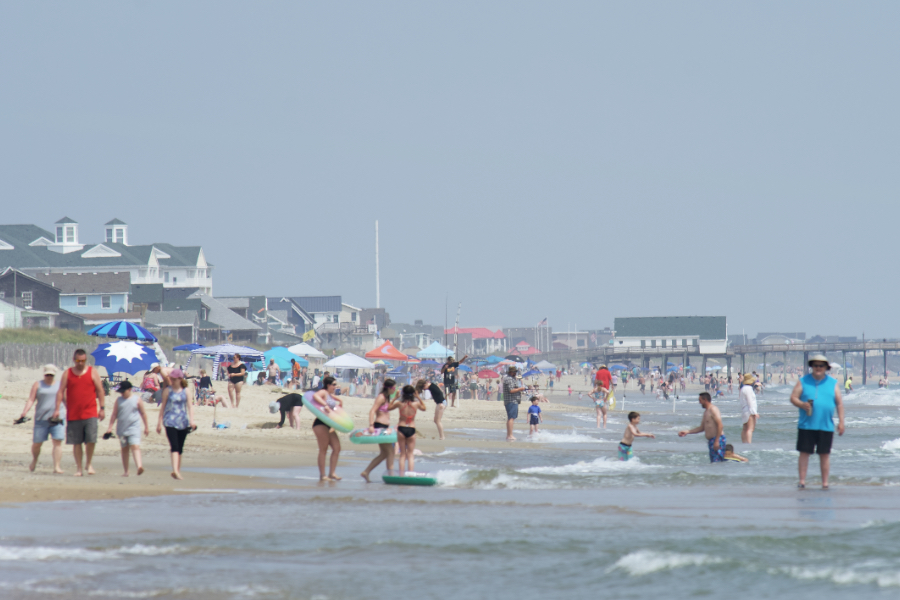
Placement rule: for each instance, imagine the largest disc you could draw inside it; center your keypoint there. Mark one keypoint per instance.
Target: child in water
(730, 455)
(534, 415)
(631, 432)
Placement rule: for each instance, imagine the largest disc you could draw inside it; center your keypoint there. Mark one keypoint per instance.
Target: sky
(579, 161)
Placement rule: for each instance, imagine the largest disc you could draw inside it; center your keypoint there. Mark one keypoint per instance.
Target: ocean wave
(874, 397)
(842, 575)
(891, 445)
(550, 437)
(644, 562)
(599, 466)
(35, 553)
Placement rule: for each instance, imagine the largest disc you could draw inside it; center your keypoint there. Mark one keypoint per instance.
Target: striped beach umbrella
(123, 330)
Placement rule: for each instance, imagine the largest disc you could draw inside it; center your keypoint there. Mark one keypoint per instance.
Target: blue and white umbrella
(123, 330)
(123, 357)
(187, 347)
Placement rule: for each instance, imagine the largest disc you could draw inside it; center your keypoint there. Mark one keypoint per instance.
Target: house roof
(478, 333)
(9, 271)
(223, 316)
(317, 304)
(707, 328)
(106, 317)
(234, 301)
(276, 303)
(179, 318)
(145, 293)
(115, 222)
(66, 220)
(177, 304)
(88, 283)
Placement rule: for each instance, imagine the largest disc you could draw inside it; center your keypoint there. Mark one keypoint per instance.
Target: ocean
(553, 516)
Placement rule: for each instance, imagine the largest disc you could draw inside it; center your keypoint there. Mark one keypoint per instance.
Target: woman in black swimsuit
(236, 373)
(380, 418)
(325, 435)
(409, 404)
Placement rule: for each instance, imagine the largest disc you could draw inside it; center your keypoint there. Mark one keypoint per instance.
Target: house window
(694, 342)
(353, 317)
(120, 235)
(174, 280)
(684, 343)
(653, 343)
(643, 343)
(82, 301)
(109, 234)
(26, 300)
(105, 301)
(166, 277)
(664, 343)
(580, 343)
(59, 235)
(2, 295)
(70, 234)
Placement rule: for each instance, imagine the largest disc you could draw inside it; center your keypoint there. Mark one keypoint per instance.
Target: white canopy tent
(306, 351)
(349, 361)
(545, 365)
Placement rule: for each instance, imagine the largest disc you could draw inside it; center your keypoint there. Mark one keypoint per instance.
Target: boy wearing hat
(817, 395)
(129, 412)
(749, 414)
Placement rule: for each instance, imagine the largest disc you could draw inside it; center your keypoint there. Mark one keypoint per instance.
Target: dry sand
(251, 442)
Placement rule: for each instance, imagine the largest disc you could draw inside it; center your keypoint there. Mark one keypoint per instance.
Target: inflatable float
(381, 436)
(409, 478)
(337, 419)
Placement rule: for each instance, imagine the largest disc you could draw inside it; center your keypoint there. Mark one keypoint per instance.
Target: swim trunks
(717, 455)
(625, 452)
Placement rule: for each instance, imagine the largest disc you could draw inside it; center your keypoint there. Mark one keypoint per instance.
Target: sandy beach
(252, 441)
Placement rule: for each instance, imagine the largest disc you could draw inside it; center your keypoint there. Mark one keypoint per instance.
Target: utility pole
(377, 274)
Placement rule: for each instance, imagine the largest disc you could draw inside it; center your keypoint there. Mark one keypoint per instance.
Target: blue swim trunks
(717, 455)
(625, 452)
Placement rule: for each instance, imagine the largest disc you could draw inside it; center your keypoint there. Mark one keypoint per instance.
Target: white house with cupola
(34, 250)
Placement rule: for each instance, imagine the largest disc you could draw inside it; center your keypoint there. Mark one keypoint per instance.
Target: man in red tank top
(81, 389)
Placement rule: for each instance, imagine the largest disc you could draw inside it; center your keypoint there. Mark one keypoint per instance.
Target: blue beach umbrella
(532, 373)
(122, 330)
(187, 347)
(123, 357)
(464, 368)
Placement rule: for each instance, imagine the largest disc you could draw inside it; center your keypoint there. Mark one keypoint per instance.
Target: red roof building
(484, 341)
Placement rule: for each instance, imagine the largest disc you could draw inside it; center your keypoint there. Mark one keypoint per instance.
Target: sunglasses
(819, 366)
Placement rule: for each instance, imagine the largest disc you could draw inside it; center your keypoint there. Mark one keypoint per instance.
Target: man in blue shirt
(817, 395)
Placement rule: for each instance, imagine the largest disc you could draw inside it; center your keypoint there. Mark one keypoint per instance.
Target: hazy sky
(574, 160)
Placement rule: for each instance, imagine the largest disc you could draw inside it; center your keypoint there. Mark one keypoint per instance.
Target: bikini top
(384, 407)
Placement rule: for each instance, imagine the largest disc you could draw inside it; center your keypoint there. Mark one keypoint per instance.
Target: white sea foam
(33, 553)
(891, 445)
(644, 562)
(599, 466)
(843, 575)
(550, 437)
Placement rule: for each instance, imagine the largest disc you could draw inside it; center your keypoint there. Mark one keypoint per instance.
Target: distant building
(181, 325)
(376, 316)
(34, 250)
(38, 301)
(780, 338)
(537, 337)
(91, 293)
(571, 340)
(706, 335)
(484, 341)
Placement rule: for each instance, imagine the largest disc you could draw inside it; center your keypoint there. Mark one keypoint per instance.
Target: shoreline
(251, 443)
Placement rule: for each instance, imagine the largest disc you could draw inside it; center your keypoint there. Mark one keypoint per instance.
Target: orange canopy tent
(386, 351)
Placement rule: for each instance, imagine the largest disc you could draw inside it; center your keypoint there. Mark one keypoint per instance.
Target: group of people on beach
(72, 407)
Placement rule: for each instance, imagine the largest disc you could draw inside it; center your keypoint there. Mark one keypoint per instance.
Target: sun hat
(748, 379)
(819, 358)
(512, 368)
(176, 374)
(50, 370)
(154, 366)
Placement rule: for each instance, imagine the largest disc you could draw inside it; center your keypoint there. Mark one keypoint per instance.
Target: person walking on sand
(325, 435)
(237, 371)
(440, 402)
(380, 418)
(409, 403)
(817, 395)
(82, 391)
(449, 371)
(177, 415)
(129, 412)
(711, 425)
(512, 396)
(43, 398)
(749, 413)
